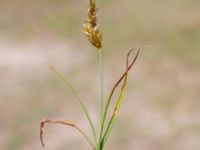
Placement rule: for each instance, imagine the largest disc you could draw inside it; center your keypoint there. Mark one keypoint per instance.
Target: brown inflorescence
(91, 28)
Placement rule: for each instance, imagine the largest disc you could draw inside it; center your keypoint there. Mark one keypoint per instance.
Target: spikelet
(91, 28)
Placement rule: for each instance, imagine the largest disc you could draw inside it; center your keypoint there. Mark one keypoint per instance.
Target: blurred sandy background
(161, 108)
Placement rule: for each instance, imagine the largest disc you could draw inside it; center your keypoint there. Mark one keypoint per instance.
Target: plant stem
(101, 84)
(101, 95)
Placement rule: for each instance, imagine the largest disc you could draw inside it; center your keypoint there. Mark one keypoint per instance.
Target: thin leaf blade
(119, 99)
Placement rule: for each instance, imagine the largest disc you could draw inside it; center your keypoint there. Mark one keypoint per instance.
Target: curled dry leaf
(44, 121)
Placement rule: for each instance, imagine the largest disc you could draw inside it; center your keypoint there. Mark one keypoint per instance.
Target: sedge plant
(101, 133)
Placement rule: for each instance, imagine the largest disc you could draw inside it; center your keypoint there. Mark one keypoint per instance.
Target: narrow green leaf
(111, 94)
(79, 100)
(119, 99)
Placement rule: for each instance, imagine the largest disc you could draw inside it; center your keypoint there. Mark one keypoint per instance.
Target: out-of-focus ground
(161, 108)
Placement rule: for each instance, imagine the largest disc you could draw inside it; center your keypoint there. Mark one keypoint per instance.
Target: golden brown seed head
(91, 28)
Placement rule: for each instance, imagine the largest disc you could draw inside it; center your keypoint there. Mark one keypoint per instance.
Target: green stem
(101, 83)
(79, 100)
(101, 95)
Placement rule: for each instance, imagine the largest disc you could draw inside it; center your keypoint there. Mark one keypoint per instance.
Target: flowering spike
(91, 28)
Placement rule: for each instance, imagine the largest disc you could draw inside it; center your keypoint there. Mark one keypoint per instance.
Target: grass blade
(119, 99)
(79, 100)
(112, 92)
